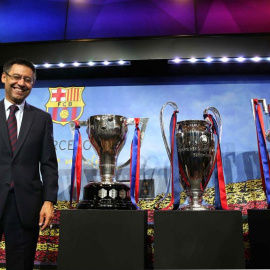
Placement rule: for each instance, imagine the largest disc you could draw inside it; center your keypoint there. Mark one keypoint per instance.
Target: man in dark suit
(28, 167)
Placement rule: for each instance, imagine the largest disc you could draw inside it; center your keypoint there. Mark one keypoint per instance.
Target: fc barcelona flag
(65, 104)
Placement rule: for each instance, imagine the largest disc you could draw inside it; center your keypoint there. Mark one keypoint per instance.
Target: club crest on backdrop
(65, 104)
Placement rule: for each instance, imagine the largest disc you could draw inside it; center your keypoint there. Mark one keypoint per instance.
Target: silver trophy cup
(107, 134)
(196, 155)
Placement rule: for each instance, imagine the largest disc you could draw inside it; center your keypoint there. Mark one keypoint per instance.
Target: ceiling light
(192, 60)
(224, 59)
(240, 59)
(209, 59)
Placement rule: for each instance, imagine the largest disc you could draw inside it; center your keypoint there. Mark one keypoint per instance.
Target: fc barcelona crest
(65, 104)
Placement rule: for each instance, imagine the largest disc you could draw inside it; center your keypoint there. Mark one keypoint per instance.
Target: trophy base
(196, 207)
(197, 204)
(114, 196)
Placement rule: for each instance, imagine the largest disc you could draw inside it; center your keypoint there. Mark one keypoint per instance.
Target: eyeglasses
(17, 77)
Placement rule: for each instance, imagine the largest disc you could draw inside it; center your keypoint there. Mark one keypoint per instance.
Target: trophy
(107, 134)
(196, 151)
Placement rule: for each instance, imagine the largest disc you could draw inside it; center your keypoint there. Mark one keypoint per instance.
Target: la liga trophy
(107, 134)
(196, 150)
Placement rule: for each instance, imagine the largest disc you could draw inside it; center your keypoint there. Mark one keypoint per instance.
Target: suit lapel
(4, 129)
(28, 117)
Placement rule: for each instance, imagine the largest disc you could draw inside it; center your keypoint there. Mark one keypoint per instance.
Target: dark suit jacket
(33, 159)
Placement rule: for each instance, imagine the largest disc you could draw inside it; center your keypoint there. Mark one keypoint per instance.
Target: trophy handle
(72, 129)
(218, 118)
(267, 133)
(131, 121)
(219, 126)
(174, 105)
(265, 108)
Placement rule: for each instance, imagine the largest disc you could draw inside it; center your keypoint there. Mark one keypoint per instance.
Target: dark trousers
(20, 242)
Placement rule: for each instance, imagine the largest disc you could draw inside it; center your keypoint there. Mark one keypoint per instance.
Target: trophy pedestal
(198, 240)
(106, 196)
(102, 240)
(195, 202)
(259, 238)
(196, 207)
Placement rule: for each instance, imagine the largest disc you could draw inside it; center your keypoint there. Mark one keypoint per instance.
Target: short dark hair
(19, 61)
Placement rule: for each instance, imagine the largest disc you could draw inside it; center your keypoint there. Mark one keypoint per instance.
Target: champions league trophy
(107, 134)
(196, 155)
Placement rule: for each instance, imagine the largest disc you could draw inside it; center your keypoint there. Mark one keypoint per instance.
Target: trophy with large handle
(107, 134)
(262, 136)
(197, 147)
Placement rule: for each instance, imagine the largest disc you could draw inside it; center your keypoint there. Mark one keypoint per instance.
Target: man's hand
(46, 215)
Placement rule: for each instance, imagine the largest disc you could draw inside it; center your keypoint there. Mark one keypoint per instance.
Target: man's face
(17, 85)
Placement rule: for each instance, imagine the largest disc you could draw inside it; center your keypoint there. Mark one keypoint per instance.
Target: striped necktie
(12, 126)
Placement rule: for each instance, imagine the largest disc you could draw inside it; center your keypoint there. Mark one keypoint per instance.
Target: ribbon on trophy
(173, 182)
(220, 191)
(267, 133)
(262, 149)
(76, 169)
(135, 165)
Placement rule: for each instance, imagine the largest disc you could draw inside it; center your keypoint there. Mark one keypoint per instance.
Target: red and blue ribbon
(173, 182)
(76, 169)
(135, 165)
(220, 190)
(262, 149)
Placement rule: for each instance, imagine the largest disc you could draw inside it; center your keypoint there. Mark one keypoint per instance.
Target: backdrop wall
(144, 98)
